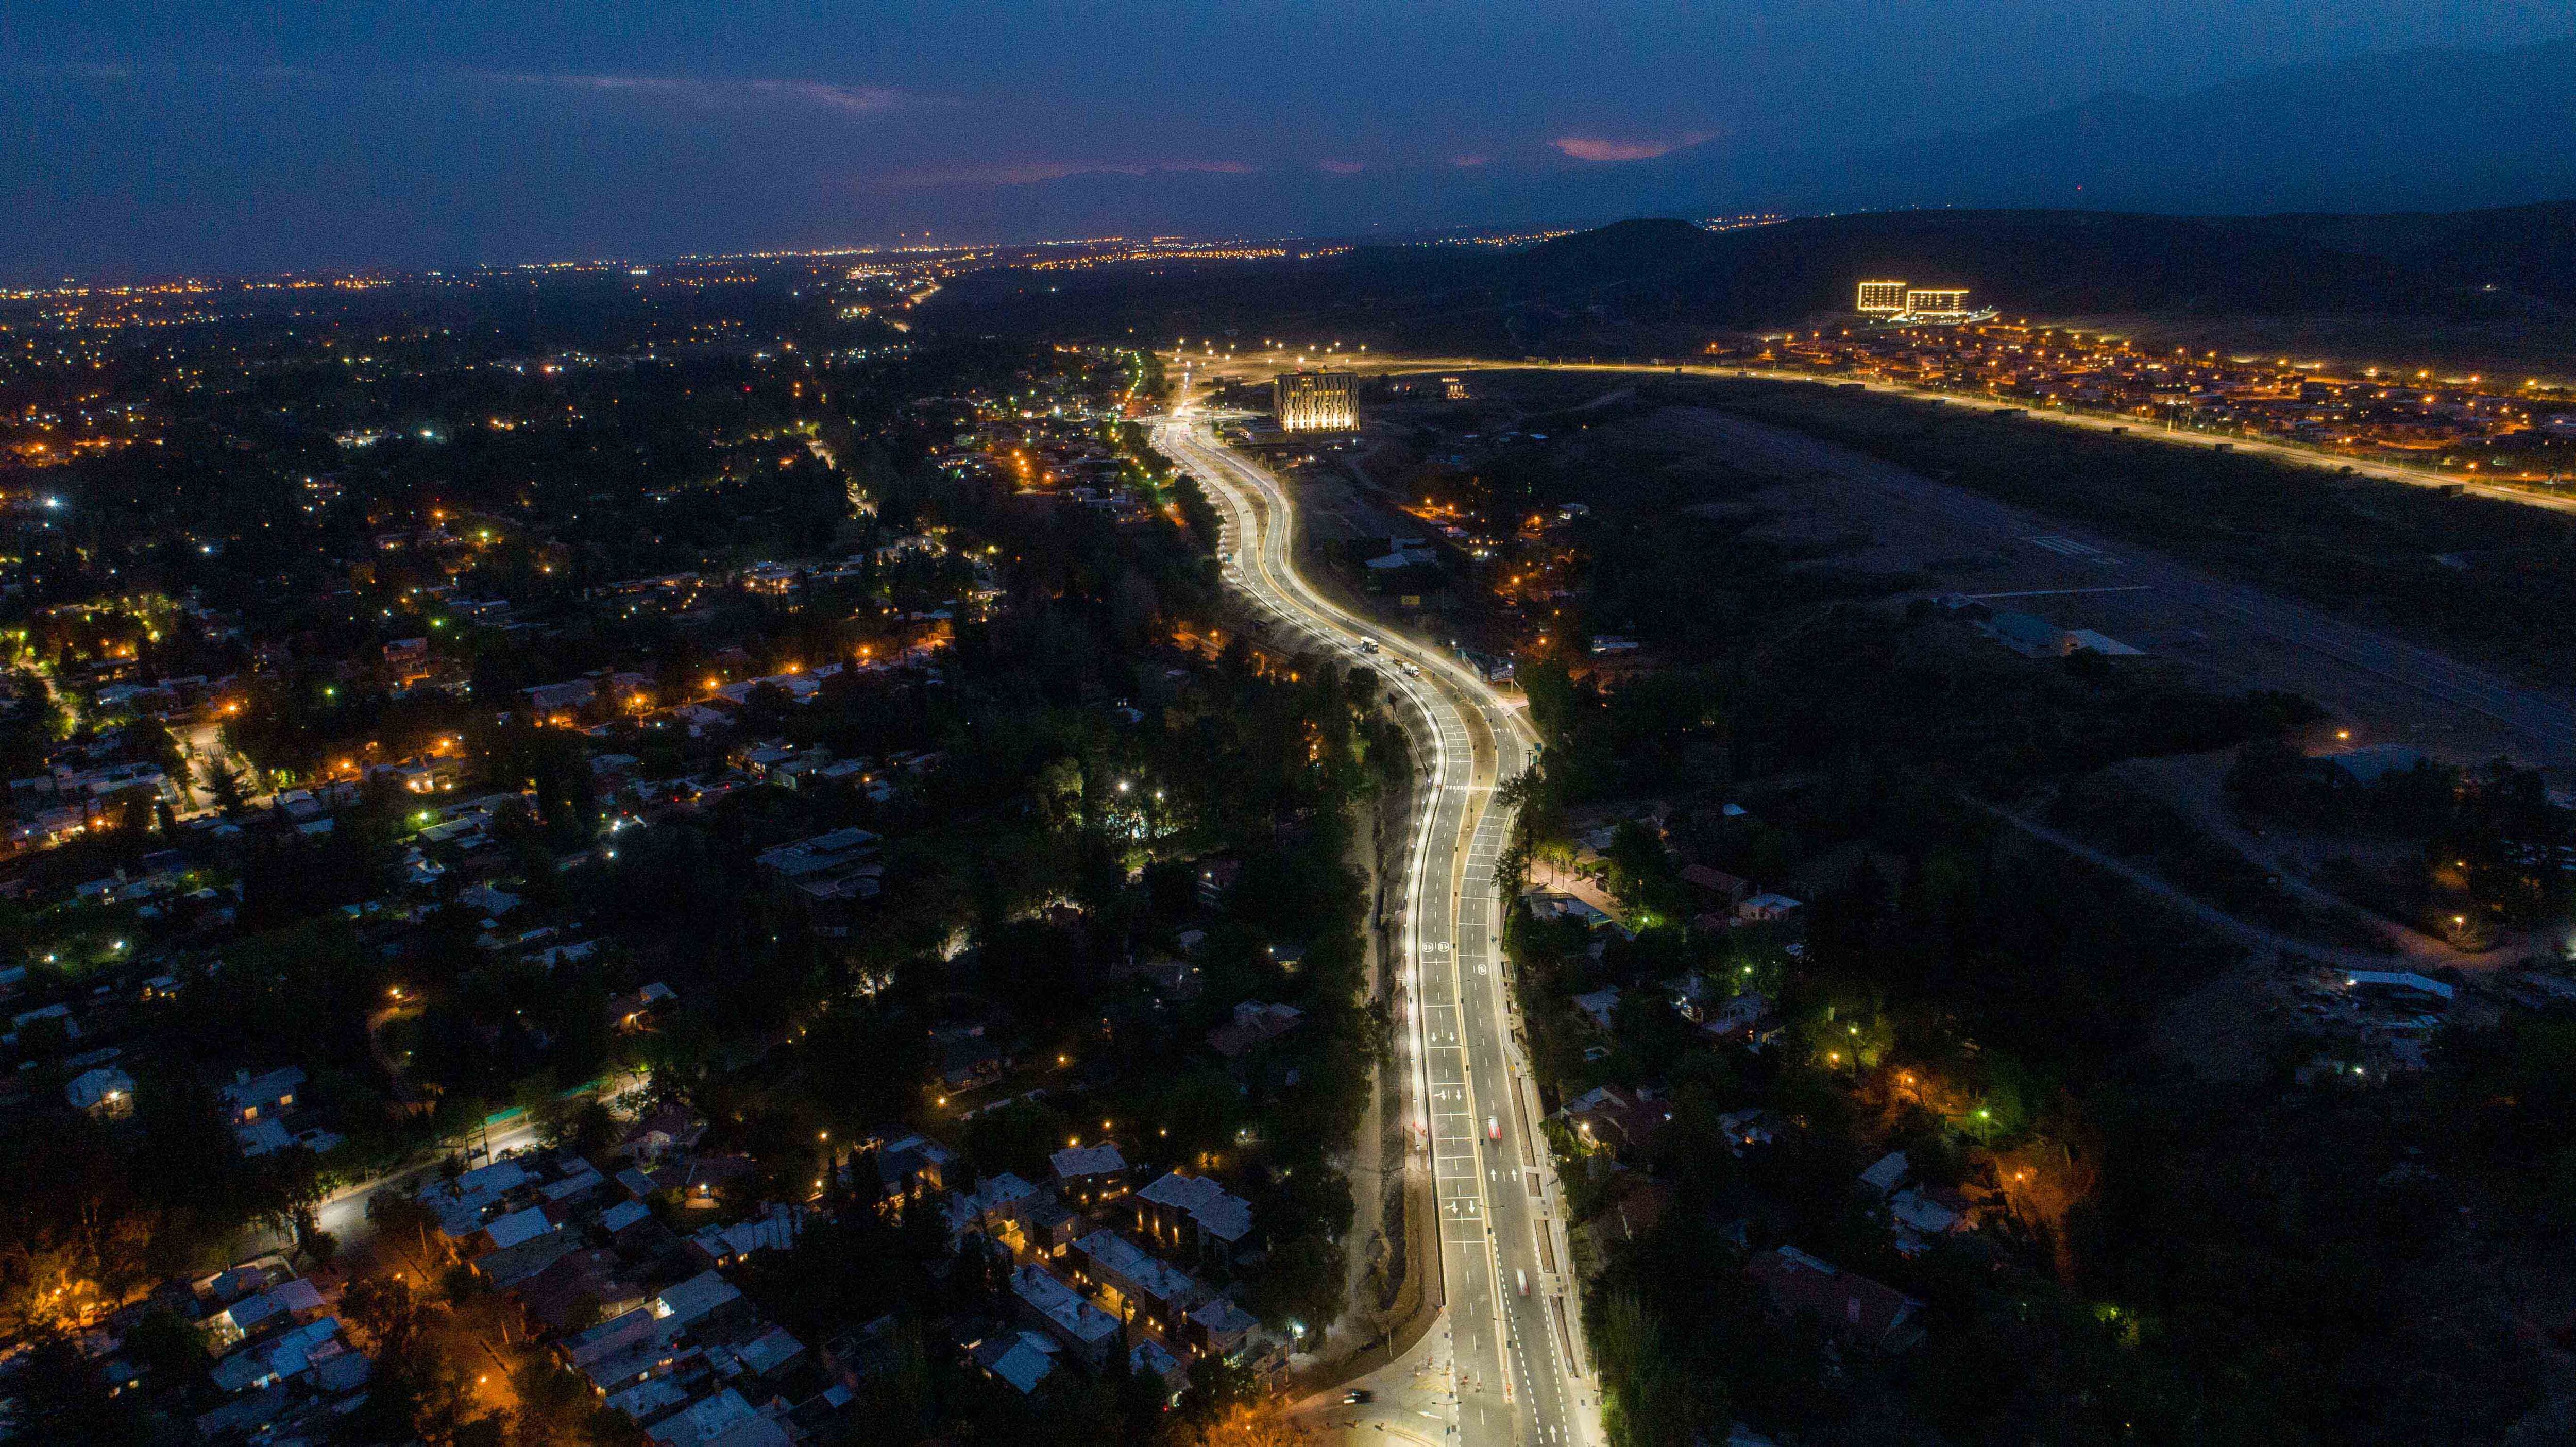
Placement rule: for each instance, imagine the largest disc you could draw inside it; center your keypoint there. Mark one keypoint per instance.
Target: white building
(1881, 298)
(1316, 401)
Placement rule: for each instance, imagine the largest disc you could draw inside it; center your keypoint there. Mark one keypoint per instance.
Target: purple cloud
(1601, 148)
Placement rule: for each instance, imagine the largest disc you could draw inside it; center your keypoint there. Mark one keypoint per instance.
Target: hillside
(1662, 285)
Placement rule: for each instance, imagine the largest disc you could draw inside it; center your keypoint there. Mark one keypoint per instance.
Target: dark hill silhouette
(2434, 129)
(2047, 261)
(1655, 285)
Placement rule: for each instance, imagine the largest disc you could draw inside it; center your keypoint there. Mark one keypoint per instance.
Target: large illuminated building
(1881, 298)
(1316, 401)
(1905, 303)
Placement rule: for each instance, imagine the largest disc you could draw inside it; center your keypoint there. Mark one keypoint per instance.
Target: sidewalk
(1544, 875)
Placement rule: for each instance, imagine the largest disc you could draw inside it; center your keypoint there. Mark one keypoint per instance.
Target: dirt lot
(2236, 637)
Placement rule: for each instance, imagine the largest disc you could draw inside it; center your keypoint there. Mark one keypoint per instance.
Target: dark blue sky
(201, 133)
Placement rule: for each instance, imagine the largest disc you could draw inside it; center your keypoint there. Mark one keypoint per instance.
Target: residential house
(704, 1301)
(994, 1207)
(1089, 1175)
(911, 1166)
(1624, 1126)
(558, 703)
(839, 864)
(722, 1420)
(1746, 1129)
(1021, 1358)
(1254, 1024)
(290, 1299)
(1718, 882)
(1599, 1006)
(1216, 880)
(1886, 1173)
(1219, 1328)
(762, 1357)
(774, 1229)
(1918, 1216)
(667, 1130)
(629, 1348)
(1151, 1359)
(1765, 908)
(634, 1011)
(1857, 1311)
(105, 1091)
(1193, 1216)
(1136, 1286)
(1048, 1227)
(1082, 1328)
(255, 1097)
(581, 1281)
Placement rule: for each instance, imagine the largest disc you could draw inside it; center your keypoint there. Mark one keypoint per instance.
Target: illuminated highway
(1379, 363)
(1512, 1323)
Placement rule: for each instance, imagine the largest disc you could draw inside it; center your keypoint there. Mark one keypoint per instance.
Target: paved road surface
(1515, 1360)
(1249, 364)
(344, 1215)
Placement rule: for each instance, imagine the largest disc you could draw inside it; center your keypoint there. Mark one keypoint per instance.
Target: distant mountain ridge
(2423, 130)
(2413, 130)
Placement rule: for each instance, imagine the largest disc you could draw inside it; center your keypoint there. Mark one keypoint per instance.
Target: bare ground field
(2383, 689)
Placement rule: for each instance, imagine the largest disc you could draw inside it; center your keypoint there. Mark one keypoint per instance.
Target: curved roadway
(1520, 1372)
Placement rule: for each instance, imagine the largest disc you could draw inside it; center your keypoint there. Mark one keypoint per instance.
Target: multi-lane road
(1511, 1339)
(1259, 363)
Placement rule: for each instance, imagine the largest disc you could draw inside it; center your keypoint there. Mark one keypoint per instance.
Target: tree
(62, 1402)
(403, 1221)
(225, 785)
(292, 1184)
(1218, 1391)
(417, 1388)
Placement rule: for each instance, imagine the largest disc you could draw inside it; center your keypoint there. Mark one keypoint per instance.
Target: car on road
(1358, 1397)
(1412, 671)
(1523, 1278)
(1368, 645)
(1493, 1128)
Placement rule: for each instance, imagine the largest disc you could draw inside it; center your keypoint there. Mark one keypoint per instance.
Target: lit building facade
(1941, 303)
(1316, 401)
(1905, 303)
(1881, 298)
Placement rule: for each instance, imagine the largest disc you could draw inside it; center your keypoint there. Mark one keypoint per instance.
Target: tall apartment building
(1316, 401)
(1881, 298)
(1938, 303)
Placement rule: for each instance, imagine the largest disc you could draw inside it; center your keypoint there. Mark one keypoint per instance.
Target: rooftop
(1218, 1212)
(1095, 1160)
(1147, 1273)
(1062, 1305)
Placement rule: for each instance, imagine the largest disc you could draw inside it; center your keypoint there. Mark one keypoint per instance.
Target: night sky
(237, 135)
